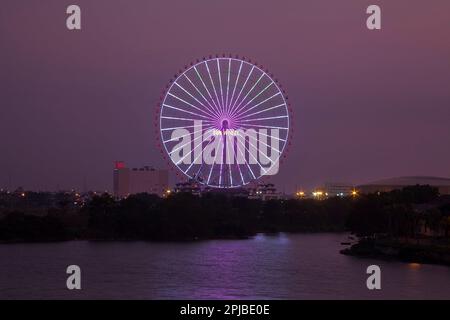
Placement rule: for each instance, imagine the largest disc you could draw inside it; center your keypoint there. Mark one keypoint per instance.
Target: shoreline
(180, 240)
(426, 251)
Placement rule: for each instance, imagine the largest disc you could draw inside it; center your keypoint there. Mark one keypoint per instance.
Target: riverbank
(426, 250)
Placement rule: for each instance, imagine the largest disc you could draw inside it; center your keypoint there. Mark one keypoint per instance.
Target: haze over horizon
(367, 104)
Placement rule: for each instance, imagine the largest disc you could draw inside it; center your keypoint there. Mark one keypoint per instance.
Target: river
(283, 266)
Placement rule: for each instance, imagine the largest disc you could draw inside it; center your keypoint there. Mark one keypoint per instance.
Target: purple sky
(368, 105)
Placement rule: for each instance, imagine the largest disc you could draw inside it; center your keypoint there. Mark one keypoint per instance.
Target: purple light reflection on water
(284, 266)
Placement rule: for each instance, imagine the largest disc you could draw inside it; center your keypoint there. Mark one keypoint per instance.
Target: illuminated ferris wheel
(224, 121)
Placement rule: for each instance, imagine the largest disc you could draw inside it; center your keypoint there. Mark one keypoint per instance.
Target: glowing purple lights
(224, 122)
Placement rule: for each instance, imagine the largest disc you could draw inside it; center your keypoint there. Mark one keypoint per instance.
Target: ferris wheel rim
(193, 66)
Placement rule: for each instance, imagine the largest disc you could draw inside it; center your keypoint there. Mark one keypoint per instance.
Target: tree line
(183, 216)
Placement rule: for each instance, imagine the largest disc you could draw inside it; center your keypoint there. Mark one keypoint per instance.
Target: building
(264, 192)
(194, 187)
(139, 180)
(386, 185)
(191, 186)
(329, 190)
(319, 194)
(338, 189)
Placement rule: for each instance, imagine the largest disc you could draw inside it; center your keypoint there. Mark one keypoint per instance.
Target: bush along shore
(412, 224)
(436, 251)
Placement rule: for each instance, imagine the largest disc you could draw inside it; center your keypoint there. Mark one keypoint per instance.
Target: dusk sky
(367, 104)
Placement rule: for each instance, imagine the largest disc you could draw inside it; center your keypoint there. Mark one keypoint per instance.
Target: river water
(283, 266)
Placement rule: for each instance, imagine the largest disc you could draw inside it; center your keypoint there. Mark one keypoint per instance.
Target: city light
(319, 194)
(300, 194)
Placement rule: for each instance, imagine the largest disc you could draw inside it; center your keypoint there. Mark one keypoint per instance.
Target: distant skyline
(368, 105)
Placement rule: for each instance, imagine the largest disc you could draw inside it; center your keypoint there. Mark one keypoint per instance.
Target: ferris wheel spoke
(240, 173)
(220, 173)
(200, 154)
(243, 156)
(258, 112)
(208, 112)
(184, 119)
(207, 90)
(228, 83)
(263, 119)
(264, 134)
(222, 156)
(182, 110)
(251, 154)
(270, 160)
(184, 101)
(251, 144)
(175, 128)
(182, 146)
(214, 87)
(187, 134)
(267, 127)
(211, 109)
(272, 148)
(237, 164)
(243, 86)
(228, 157)
(248, 93)
(272, 137)
(214, 162)
(201, 166)
(226, 148)
(260, 103)
(190, 152)
(235, 84)
(231, 175)
(256, 96)
(220, 83)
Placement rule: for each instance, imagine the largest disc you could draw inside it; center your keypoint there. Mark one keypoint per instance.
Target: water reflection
(276, 266)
